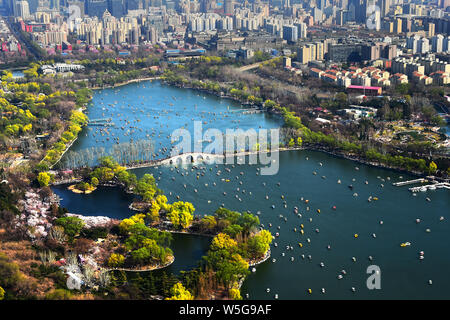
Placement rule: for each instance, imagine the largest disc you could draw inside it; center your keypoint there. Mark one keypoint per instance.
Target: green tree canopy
(72, 225)
(181, 214)
(43, 179)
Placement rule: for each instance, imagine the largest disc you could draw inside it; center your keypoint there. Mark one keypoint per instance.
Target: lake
(151, 111)
(331, 233)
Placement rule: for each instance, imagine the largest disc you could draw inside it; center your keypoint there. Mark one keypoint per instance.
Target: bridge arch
(176, 160)
(200, 158)
(179, 160)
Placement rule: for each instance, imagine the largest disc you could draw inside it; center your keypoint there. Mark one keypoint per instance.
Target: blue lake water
(403, 275)
(151, 111)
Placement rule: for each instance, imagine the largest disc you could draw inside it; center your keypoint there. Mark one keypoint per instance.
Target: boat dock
(434, 186)
(251, 111)
(404, 183)
(65, 181)
(106, 122)
(247, 111)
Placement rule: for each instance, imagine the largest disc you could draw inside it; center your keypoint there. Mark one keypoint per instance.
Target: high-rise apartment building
(290, 33)
(96, 7)
(228, 7)
(22, 9)
(304, 55)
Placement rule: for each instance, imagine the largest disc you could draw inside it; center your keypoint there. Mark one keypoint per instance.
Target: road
(24, 42)
(249, 67)
(253, 66)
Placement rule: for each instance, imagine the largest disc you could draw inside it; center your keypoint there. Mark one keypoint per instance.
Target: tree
(259, 244)
(146, 187)
(438, 121)
(248, 222)
(138, 218)
(67, 136)
(149, 195)
(223, 241)
(125, 225)
(341, 99)
(153, 214)
(233, 230)
(43, 179)
(149, 250)
(10, 275)
(103, 174)
(32, 72)
(142, 255)
(208, 223)
(432, 168)
(94, 181)
(181, 214)
(291, 143)
(78, 118)
(403, 88)
(161, 200)
(231, 269)
(269, 104)
(108, 162)
(45, 88)
(235, 294)
(428, 112)
(72, 225)
(178, 292)
(116, 260)
(226, 214)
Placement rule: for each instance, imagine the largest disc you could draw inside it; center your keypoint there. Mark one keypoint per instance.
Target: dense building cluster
(104, 22)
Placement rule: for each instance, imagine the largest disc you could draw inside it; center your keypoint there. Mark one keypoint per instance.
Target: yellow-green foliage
(432, 167)
(178, 292)
(126, 224)
(223, 241)
(181, 214)
(116, 260)
(235, 294)
(44, 179)
(153, 214)
(161, 200)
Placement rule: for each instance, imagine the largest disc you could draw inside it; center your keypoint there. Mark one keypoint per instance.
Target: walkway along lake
(381, 225)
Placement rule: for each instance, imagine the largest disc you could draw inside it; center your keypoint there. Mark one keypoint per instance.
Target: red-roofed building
(366, 90)
(329, 78)
(316, 73)
(399, 78)
(440, 78)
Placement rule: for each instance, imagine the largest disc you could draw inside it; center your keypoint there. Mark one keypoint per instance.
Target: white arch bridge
(195, 157)
(184, 158)
(192, 157)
